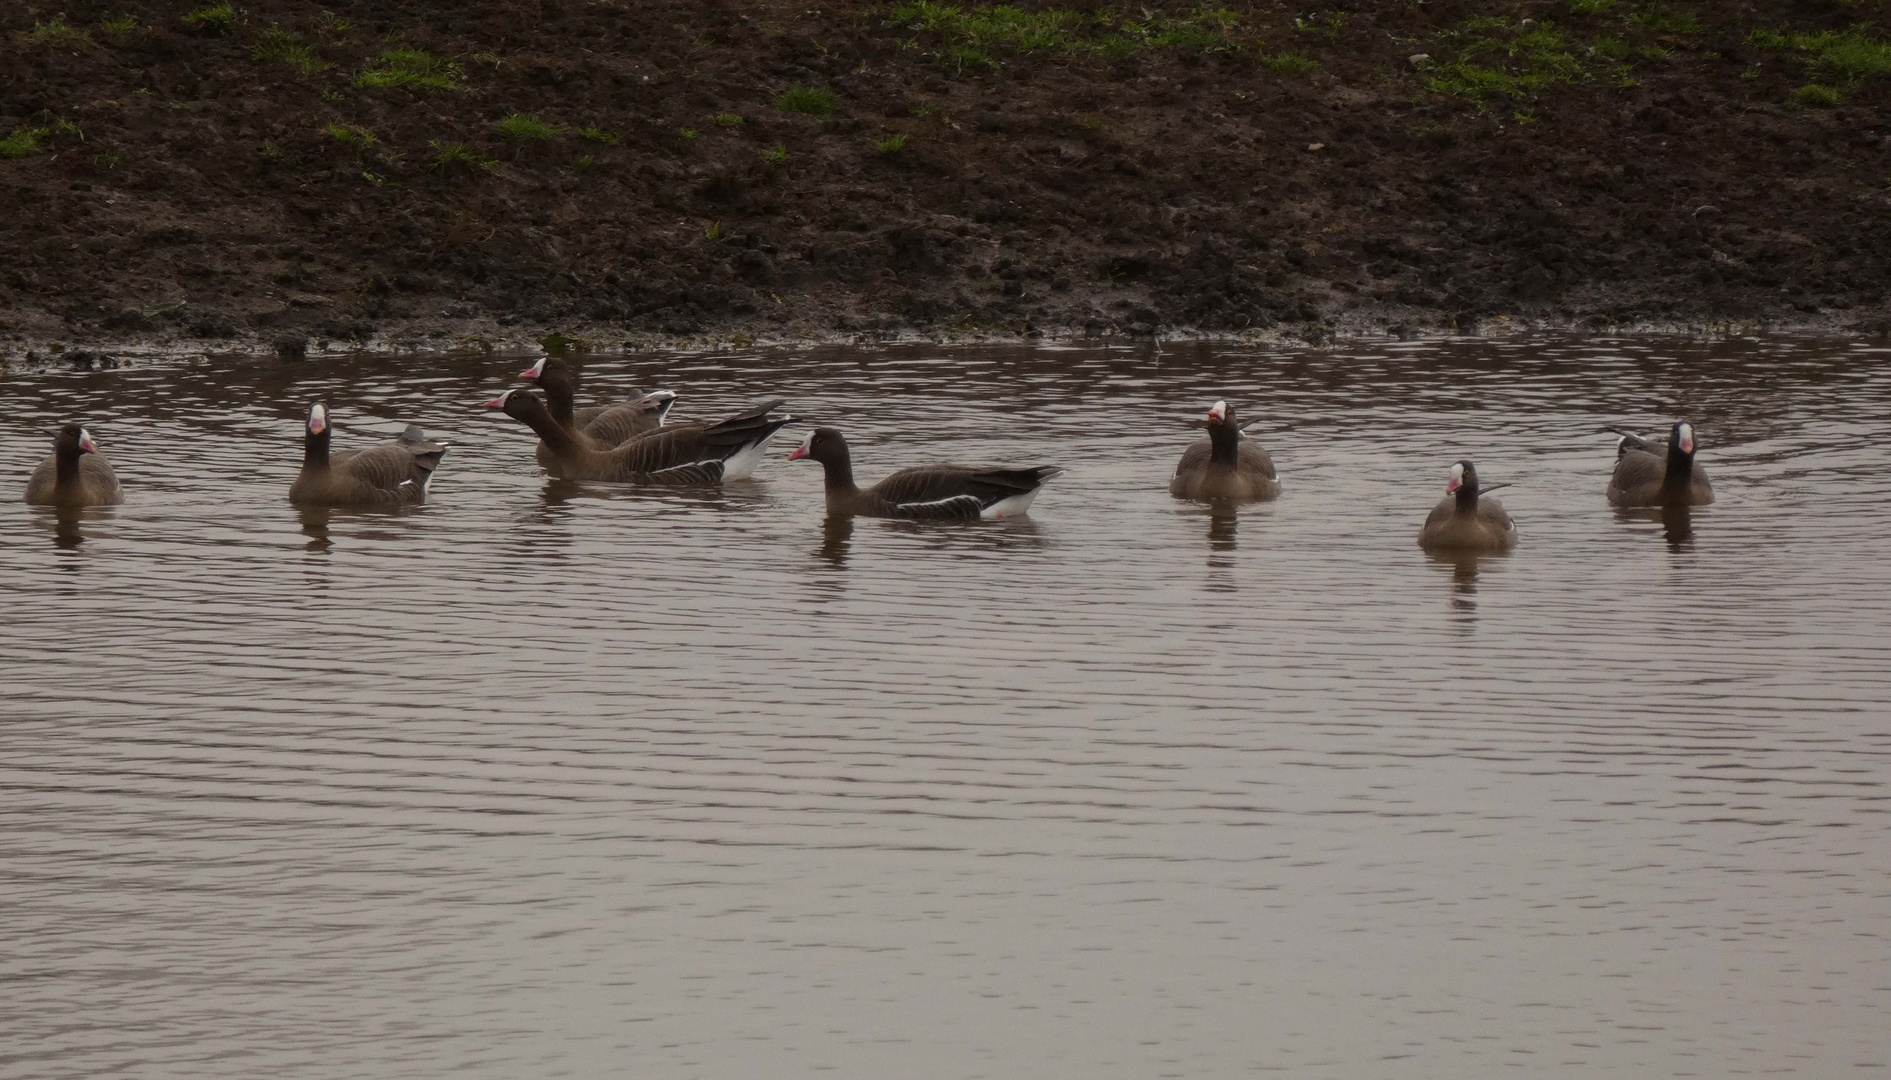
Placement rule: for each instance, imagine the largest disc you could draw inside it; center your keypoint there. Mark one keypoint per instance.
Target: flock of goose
(629, 441)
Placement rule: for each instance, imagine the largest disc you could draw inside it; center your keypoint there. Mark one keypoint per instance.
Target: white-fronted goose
(601, 427)
(946, 492)
(393, 473)
(1224, 464)
(1647, 475)
(1463, 522)
(76, 474)
(695, 453)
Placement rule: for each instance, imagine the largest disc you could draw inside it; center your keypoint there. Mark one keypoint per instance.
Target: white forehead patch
(1687, 431)
(318, 418)
(1457, 472)
(539, 368)
(85, 435)
(807, 444)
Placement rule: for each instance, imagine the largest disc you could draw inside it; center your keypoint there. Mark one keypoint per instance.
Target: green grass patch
(777, 156)
(279, 46)
(599, 135)
(349, 135)
(123, 24)
(1290, 63)
(1817, 97)
(1847, 58)
(410, 67)
(689, 133)
(1497, 58)
(455, 159)
(22, 142)
(520, 128)
(213, 19)
(1661, 19)
(728, 120)
(1591, 7)
(810, 100)
(56, 34)
(971, 37)
(1611, 48)
(890, 147)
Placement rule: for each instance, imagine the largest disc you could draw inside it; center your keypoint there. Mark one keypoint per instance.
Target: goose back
(697, 453)
(1464, 521)
(1649, 474)
(394, 473)
(937, 492)
(74, 474)
(1224, 465)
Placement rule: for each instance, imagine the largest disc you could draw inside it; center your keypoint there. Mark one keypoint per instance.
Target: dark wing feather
(667, 452)
(1195, 458)
(1638, 476)
(613, 426)
(386, 466)
(948, 491)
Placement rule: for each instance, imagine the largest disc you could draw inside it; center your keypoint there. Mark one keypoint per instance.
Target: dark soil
(182, 188)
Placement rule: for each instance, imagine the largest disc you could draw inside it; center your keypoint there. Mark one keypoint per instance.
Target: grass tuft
(1591, 7)
(349, 135)
(124, 24)
(970, 36)
(520, 128)
(811, 100)
(57, 34)
(1660, 19)
(455, 159)
(890, 147)
(1290, 63)
(728, 120)
(410, 67)
(22, 142)
(214, 19)
(279, 46)
(777, 156)
(599, 135)
(1815, 96)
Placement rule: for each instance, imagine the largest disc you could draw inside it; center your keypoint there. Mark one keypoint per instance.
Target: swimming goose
(1224, 464)
(696, 453)
(393, 473)
(1645, 475)
(601, 427)
(1463, 522)
(76, 474)
(932, 491)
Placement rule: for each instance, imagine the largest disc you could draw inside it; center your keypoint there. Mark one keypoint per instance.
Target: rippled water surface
(583, 780)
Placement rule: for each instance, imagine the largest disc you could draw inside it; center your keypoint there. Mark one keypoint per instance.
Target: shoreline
(108, 350)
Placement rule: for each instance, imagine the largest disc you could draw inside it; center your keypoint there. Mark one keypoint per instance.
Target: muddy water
(550, 779)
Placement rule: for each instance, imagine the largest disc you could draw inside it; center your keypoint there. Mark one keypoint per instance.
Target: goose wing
(697, 453)
(615, 425)
(947, 491)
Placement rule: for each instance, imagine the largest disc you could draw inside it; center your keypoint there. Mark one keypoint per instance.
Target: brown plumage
(76, 474)
(947, 492)
(597, 427)
(394, 473)
(1463, 522)
(696, 453)
(1224, 464)
(1646, 474)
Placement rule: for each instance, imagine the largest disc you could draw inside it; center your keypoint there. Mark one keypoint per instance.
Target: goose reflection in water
(1676, 521)
(67, 536)
(837, 535)
(315, 526)
(1464, 567)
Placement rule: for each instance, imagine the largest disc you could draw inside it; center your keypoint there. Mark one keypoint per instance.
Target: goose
(930, 491)
(393, 473)
(600, 427)
(696, 453)
(1463, 522)
(76, 474)
(1224, 464)
(1645, 475)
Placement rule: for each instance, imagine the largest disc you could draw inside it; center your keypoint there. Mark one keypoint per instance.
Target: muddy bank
(419, 174)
